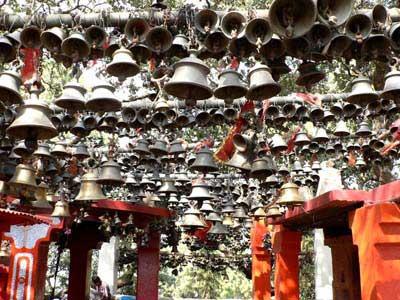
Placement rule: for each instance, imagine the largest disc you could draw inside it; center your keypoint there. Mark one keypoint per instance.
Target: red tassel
(266, 104)
(152, 64)
(309, 98)
(209, 142)
(30, 69)
(234, 63)
(290, 143)
(201, 234)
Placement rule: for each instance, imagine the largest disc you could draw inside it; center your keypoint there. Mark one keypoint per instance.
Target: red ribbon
(209, 142)
(234, 63)
(290, 142)
(30, 69)
(266, 104)
(309, 98)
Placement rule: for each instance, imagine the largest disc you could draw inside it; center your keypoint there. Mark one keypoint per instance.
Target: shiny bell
(75, 46)
(24, 177)
(216, 42)
(96, 36)
(230, 85)
(200, 191)
(289, 195)
(258, 32)
(262, 85)
(159, 39)
(61, 209)
(233, 24)
(362, 92)
(136, 30)
(206, 21)
(277, 144)
(273, 211)
(122, 65)
(10, 83)
(103, 98)
(52, 39)
(358, 27)
(309, 75)
(291, 19)
(189, 80)
(110, 174)
(301, 139)
(90, 189)
(191, 219)
(204, 162)
(392, 86)
(73, 97)
(335, 13)
(30, 37)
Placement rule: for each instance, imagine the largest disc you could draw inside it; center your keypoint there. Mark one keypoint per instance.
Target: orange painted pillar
(261, 262)
(286, 245)
(376, 232)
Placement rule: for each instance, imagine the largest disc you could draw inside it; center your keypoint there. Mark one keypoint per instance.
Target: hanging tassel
(29, 72)
(209, 142)
(309, 98)
(201, 234)
(290, 142)
(265, 106)
(234, 65)
(351, 159)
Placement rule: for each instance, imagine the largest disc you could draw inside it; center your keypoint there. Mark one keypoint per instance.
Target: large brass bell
(41, 196)
(32, 121)
(290, 18)
(274, 49)
(377, 47)
(122, 65)
(216, 42)
(358, 27)
(233, 24)
(191, 220)
(7, 50)
(90, 189)
(289, 195)
(338, 44)
(110, 174)
(52, 39)
(75, 46)
(362, 92)
(103, 98)
(262, 85)
(204, 162)
(334, 13)
(30, 37)
(159, 39)
(262, 168)
(309, 75)
(392, 86)
(189, 80)
(136, 30)
(206, 21)
(72, 97)
(96, 36)
(241, 47)
(230, 85)
(61, 210)
(258, 32)
(319, 35)
(24, 177)
(10, 83)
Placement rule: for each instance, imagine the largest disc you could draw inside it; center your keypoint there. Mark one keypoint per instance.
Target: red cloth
(290, 142)
(309, 98)
(266, 104)
(30, 69)
(201, 234)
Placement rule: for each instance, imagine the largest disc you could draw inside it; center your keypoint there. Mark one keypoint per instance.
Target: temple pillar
(286, 245)
(376, 232)
(261, 262)
(148, 266)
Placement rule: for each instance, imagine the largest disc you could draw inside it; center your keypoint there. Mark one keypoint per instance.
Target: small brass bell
(262, 168)
(21, 150)
(176, 148)
(159, 148)
(14, 37)
(110, 174)
(363, 130)
(377, 47)
(309, 75)
(24, 176)
(200, 191)
(103, 98)
(189, 80)
(7, 50)
(52, 38)
(10, 82)
(136, 30)
(278, 144)
(179, 46)
(159, 119)
(72, 97)
(206, 207)
(122, 65)
(301, 139)
(80, 152)
(274, 49)
(202, 118)
(362, 92)
(334, 13)
(191, 219)
(96, 36)
(142, 147)
(230, 85)
(358, 27)
(338, 44)
(75, 46)
(167, 186)
(392, 86)
(258, 32)
(241, 47)
(216, 42)
(159, 39)
(241, 160)
(128, 114)
(262, 85)
(61, 209)
(79, 129)
(206, 21)
(232, 24)
(60, 150)
(299, 47)
(30, 37)
(230, 114)
(204, 162)
(43, 150)
(218, 228)
(320, 135)
(341, 129)
(289, 195)
(319, 35)
(90, 189)
(41, 196)
(273, 211)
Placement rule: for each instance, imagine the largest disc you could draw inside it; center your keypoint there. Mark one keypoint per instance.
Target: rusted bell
(362, 92)
(75, 46)
(216, 42)
(289, 195)
(189, 80)
(262, 85)
(274, 49)
(341, 129)
(200, 191)
(30, 37)
(309, 75)
(24, 177)
(110, 174)
(80, 152)
(7, 50)
(298, 47)
(142, 147)
(392, 86)
(301, 139)
(103, 98)
(230, 85)
(338, 44)
(258, 32)
(32, 121)
(72, 97)
(290, 18)
(122, 65)
(10, 82)
(358, 27)
(176, 148)
(320, 135)
(159, 39)
(204, 162)
(96, 36)
(241, 47)
(60, 150)
(206, 21)
(191, 220)
(90, 190)
(52, 38)
(233, 24)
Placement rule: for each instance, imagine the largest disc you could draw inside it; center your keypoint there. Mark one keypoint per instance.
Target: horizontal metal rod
(114, 19)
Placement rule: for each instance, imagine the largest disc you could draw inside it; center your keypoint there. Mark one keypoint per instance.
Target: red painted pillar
(261, 262)
(286, 245)
(3, 282)
(148, 266)
(376, 232)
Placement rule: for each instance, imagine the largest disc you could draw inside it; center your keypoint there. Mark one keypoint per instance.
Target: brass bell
(216, 42)
(75, 46)
(301, 139)
(377, 47)
(159, 148)
(179, 47)
(206, 207)
(41, 196)
(24, 177)
(14, 37)
(30, 37)
(189, 80)
(122, 65)
(380, 17)
(136, 30)
(43, 150)
(218, 228)
(392, 86)
(96, 36)
(167, 186)
(79, 129)
(110, 174)
(232, 24)
(363, 130)
(10, 83)
(72, 97)
(7, 50)
(159, 119)
(140, 52)
(328, 117)
(60, 150)
(273, 211)
(362, 92)
(394, 35)
(258, 32)
(142, 147)
(128, 114)
(241, 160)
(319, 35)
(176, 148)
(241, 47)
(262, 85)
(90, 189)
(262, 168)
(320, 135)
(338, 44)
(191, 219)
(200, 191)
(230, 114)
(289, 195)
(316, 113)
(349, 110)
(335, 13)
(81, 152)
(274, 49)
(159, 39)
(358, 27)
(277, 144)
(21, 150)
(204, 162)
(289, 110)
(298, 47)
(230, 85)
(290, 19)
(52, 38)
(113, 45)
(61, 210)
(103, 98)
(217, 117)
(32, 121)
(309, 74)
(206, 21)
